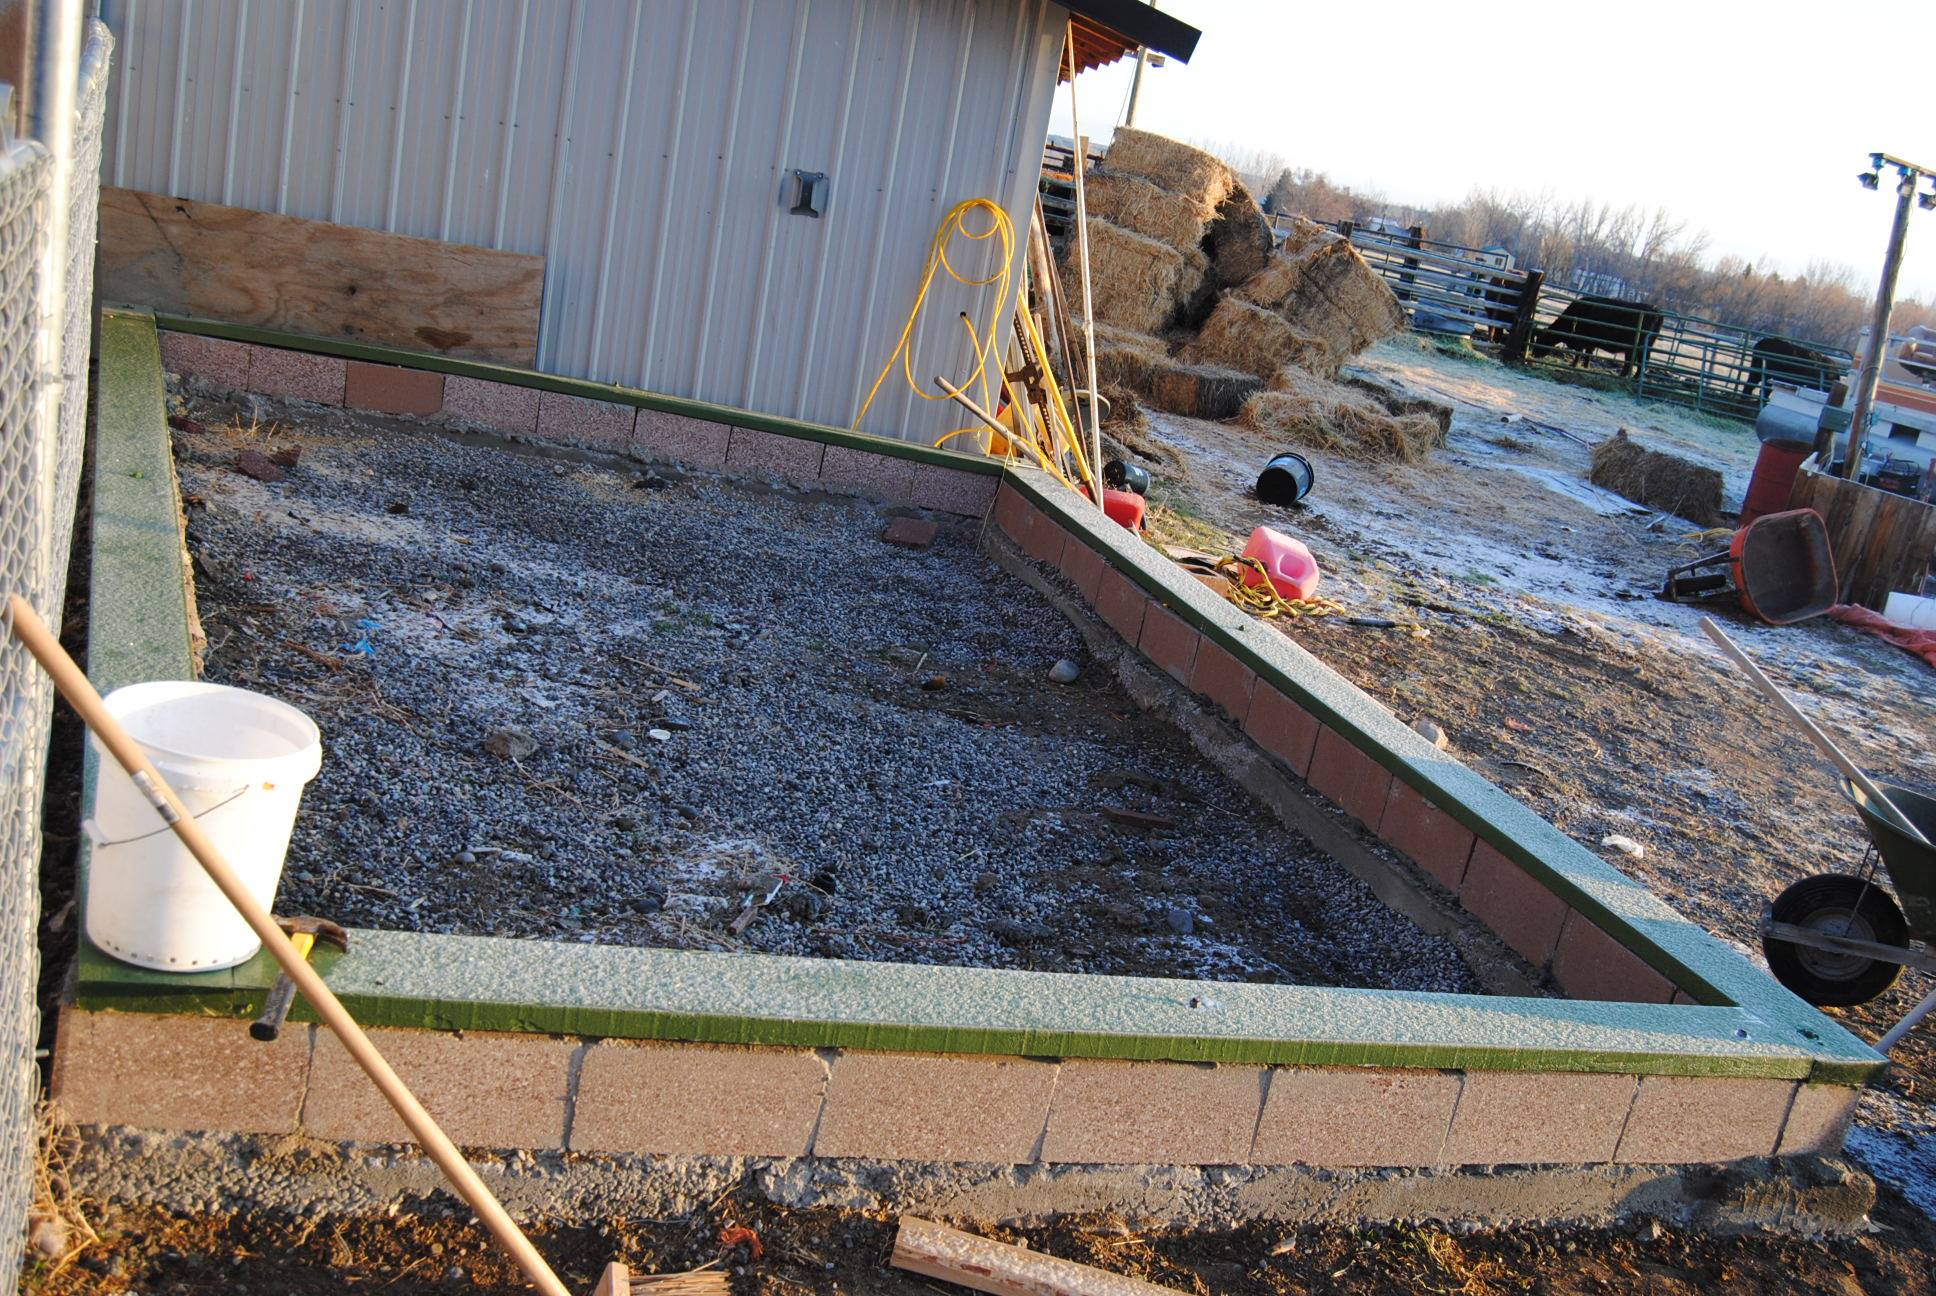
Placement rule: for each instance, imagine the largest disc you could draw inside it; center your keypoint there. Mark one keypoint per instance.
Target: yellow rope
(1263, 600)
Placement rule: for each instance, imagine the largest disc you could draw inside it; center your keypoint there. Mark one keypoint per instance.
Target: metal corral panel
(644, 147)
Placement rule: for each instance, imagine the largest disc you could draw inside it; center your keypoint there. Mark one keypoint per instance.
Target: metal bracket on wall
(810, 193)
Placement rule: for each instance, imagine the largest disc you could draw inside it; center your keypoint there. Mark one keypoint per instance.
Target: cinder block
(1043, 538)
(1355, 1116)
(677, 438)
(935, 1107)
(1353, 781)
(1818, 1120)
(390, 389)
(790, 459)
(1083, 567)
(495, 405)
(302, 375)
(1221, 678)
(859, 472)
(1120, 604)
(1282, 727)
(1589, 964)
(1538, 1118)
(953, 490)
(1677, 1120)
(178, 1073)
(1011, 512)
(575, 420)
(486, 1089)
(697, 1099)
(1426, 835)
(1507, 899)
(1164, 1113)
(215, 360)
(1169, 641)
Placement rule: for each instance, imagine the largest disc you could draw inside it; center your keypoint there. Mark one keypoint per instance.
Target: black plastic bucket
(1286, 479)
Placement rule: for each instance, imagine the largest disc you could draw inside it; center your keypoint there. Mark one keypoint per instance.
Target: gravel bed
(566, 697)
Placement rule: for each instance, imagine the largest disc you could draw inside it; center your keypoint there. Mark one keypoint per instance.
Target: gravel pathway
(564, 698)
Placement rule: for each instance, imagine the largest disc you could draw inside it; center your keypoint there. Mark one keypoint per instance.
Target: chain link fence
(40, 473)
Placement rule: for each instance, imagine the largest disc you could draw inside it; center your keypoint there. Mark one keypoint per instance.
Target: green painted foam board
(1626, 909)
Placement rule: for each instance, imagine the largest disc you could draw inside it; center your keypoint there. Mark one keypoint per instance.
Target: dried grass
(1135, 204)
(1324, 288)
(1660, 481)
(1328, 416)
(1239, 240)
(1171, 165)
(1132, 279)
(1201, 390)
(1239, 335)
(1127, 359)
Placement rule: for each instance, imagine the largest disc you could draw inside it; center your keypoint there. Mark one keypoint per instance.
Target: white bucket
(1911, 610)
(239, 761)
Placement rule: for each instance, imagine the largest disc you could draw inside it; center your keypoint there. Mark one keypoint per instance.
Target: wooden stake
(937, 1251)
(81, 695)
(1082, 253)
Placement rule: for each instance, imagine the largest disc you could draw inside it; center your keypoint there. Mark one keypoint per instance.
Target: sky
(1751, 121)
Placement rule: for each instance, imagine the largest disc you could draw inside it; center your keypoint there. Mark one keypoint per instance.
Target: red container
(1774, 477)
(1124, 508)
(1293, 571)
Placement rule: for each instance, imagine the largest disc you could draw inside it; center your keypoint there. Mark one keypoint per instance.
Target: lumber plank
(1882, 541)
(307, 276)
(615, 1281)
(937, 1251)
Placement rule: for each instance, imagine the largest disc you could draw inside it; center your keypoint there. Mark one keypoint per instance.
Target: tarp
(1920, 642)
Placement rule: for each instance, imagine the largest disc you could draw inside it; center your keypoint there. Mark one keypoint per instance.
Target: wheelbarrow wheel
(1838, 905)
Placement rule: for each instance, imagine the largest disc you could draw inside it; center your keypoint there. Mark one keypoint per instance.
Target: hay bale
(1239, 335)
(1132, 279)
(1135, 204)
(1314, 411)
(1400, 397)
(1239, 240)
(1330, 293)
(1171, 165)
(1126, 359)
(1201, 390)
(1660, 481)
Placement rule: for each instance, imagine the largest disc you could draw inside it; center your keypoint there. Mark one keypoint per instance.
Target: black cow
(1589, 324)
(1776, 359)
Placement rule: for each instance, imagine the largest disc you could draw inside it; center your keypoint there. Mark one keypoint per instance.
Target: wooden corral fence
(1882, 541)
(1058, 187)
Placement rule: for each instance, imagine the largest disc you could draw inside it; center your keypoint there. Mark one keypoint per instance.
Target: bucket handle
(98, 839)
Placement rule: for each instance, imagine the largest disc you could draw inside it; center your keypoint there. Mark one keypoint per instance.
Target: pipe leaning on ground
(74, 685)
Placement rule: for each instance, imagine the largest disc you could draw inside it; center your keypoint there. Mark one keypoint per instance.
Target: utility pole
(1136, 81)
(1909, 174)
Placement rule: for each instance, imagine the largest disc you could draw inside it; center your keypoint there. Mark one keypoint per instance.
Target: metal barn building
(647, 149)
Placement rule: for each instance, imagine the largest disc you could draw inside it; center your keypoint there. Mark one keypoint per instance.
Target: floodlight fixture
(1869, 179)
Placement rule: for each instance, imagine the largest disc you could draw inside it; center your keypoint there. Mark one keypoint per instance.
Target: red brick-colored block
(861, 472)
(301, 375)
(1083, 568)
(1818, 1120)
(1163, 1113)
(499, 406)
(676, 438)
(1169, 641)
(910, 532)
(1507, 899)
(1355, 1116)
(941, 1107)
(1223, 679)
(1120, 604)
(486, 1089)
(1538, 1118)
(1426, 835)
(1678, 1120)
(1350, 779)
(390, 389)
(575, 420)
(1589, 964)
(215, 360)
(1043, 538)
(1282, 728)
(697, 1099)
(178, 1073)
(954, 490)
(1011, 512)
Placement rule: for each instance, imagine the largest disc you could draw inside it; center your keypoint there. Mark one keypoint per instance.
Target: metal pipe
(1865, 390)
(56, 72)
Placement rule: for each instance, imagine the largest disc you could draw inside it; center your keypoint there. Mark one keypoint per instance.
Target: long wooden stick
(1837, 758)
(1082, 254)
(937, 1251)
(81, 695)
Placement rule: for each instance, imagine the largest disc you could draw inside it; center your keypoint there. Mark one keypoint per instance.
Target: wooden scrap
(1136, 818)
(937, 1251)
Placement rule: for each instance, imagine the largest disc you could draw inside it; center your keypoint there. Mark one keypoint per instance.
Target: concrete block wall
(514, 410)
(518, 1090)
(1585, 961)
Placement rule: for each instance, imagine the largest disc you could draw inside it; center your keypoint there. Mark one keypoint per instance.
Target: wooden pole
(1082, 254)
(937, 1251)
(32, 632)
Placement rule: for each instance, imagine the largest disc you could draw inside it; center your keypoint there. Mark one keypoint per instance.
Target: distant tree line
(1647, 254)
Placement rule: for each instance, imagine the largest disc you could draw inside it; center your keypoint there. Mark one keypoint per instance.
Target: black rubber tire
(1836, 980)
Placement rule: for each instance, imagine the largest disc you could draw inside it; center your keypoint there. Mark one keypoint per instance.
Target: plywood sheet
(337, 281)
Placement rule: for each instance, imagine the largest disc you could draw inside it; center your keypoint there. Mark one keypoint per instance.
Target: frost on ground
(563, 699)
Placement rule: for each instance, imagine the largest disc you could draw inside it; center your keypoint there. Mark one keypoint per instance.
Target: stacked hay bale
(1318, 283)
(1660, 481)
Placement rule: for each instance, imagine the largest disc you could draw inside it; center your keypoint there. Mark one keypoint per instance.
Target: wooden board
(337, 281)
(1882, 541)
(937, 1251)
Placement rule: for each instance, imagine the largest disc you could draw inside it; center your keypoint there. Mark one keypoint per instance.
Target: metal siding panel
(311, 127)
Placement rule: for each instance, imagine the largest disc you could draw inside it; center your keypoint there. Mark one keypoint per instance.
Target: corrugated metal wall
(644, 147)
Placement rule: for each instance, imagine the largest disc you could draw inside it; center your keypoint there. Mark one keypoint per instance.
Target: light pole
(1908, 174)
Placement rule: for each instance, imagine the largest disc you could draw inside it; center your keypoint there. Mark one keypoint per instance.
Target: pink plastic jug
(1293, 571)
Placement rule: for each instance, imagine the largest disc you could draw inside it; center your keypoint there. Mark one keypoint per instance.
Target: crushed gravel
(566, 697)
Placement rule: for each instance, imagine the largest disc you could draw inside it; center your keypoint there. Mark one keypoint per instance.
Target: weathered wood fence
(1882, 541)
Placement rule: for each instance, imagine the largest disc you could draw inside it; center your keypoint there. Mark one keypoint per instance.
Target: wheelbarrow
(1840, 939)
(1780, 566)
